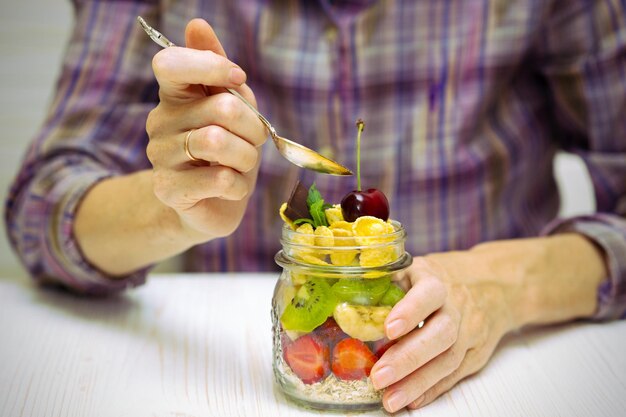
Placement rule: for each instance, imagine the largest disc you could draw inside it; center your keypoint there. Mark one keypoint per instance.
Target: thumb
(200, 35)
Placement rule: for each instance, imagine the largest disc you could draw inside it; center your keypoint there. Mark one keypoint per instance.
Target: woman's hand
(471, 299)
(128, 222)
(464, 323)
(210, 196)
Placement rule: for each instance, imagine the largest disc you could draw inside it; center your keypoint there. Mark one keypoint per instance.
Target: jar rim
(335, 271)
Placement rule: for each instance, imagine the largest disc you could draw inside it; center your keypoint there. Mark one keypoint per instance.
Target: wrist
(121, 226)
(569, 280)
(159, 221)
(548, 280)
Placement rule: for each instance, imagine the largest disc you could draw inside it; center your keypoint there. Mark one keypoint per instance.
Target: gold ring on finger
(186, 146)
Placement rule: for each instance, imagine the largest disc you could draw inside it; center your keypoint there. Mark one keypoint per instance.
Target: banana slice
(365, 323)
(293, 335)
(284, 295)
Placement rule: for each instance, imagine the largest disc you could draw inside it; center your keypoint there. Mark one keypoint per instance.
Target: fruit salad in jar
(333, 297)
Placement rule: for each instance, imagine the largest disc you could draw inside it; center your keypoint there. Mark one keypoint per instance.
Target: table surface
(200, 345)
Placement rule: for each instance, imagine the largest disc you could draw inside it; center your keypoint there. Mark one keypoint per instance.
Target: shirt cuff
(608, 231)
(63, 257)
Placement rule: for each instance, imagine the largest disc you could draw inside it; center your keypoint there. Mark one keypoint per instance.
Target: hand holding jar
(470, 300)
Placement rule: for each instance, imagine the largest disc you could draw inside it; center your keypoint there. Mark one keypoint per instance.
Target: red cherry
(365, 203)
(359, 203)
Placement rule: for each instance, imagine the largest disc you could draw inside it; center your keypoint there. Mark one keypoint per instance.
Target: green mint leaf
(317, 212)
(301, 221)
(313, 197)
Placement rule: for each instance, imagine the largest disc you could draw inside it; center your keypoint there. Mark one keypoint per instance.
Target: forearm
(541, 280)
(121, 226)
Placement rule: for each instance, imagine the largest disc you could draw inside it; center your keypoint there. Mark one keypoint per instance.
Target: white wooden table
(200, 345)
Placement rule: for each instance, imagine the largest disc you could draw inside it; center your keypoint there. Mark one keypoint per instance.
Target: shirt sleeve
(582, 58)
(95, 129)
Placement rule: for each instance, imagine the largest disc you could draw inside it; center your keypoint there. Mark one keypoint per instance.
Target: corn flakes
(377, 256)
(342, 225)
(343, 238)
(334, 214)
(324, 236)
(370, 230)
(304, 235)
(286, 219)
(343, 258)
(313, 259)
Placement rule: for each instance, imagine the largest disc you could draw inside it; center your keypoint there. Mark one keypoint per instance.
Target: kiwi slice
(392, 296)
(361, 291)
(313, 303)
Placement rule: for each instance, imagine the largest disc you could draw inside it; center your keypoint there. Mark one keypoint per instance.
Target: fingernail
(237, 76)
(395, 328)
(396, 401)
(383, 377)
(417, 402)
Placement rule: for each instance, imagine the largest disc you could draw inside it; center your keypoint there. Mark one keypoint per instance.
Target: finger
(222, 109)
(247, 93)
(421, 266)
(200, 35)
(210, 143)
(177, 68)
(417, 348)
(183, 189)
(411, 388)
(216, 144)
(469, 366)
(426, 296)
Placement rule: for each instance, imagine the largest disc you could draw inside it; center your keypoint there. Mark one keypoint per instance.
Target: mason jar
(329, 308)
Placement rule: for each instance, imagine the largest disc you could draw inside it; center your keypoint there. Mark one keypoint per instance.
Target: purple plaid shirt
(466, 103)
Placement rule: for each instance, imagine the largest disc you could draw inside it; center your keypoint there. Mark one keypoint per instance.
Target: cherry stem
(360, 125)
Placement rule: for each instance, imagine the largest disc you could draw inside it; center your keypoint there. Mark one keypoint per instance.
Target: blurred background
(32, 41)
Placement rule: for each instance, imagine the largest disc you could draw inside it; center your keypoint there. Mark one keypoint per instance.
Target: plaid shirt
(466, 103)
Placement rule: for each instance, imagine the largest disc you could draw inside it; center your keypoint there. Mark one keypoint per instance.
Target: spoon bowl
(307, 158)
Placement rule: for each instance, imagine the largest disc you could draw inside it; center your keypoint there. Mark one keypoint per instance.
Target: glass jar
(328, 310)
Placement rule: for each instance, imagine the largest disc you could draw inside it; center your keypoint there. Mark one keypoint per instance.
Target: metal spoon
(294, 152)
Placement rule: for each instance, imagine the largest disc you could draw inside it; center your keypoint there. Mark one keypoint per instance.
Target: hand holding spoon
(294, 152)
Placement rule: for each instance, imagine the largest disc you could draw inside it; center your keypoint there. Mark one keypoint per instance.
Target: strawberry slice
(330, 332)
(308, 358)
(380, 346)
(352, 360)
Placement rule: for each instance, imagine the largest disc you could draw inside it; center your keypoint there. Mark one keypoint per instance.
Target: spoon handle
(266, 122)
